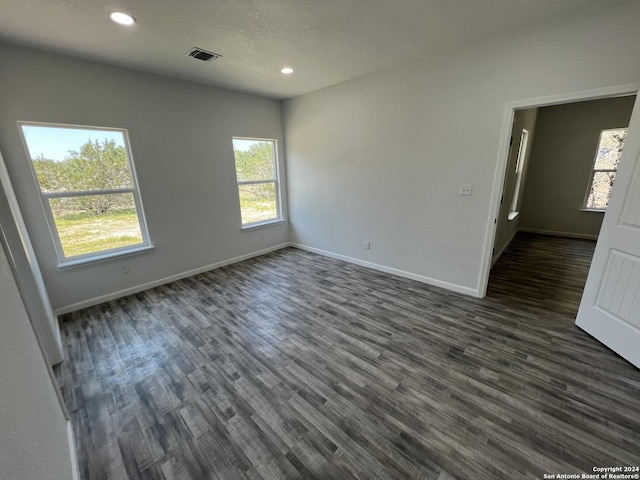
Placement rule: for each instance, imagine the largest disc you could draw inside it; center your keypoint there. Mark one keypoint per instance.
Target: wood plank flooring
(297, 366)
(543, 271)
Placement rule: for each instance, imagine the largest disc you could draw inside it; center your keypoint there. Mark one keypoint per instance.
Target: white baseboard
(156, 283)
(582, 236)
(394, 271)
(497, 256)
(75, 467)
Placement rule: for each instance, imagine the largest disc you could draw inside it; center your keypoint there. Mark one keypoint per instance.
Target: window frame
(517, 185)
(65, 261)
(585, 207)
(276, 182)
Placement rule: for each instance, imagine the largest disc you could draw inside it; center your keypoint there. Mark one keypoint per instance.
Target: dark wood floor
(543, 271)
(293, 365)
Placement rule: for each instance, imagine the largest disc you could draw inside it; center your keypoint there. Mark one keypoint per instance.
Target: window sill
(104, 257)
(595, 210)
(513, 216)
(267, 223)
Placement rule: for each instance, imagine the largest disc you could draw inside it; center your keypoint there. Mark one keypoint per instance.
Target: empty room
(319, 240)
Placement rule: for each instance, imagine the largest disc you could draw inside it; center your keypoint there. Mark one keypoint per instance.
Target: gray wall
(506, 229)
(561, 161)
(381, 158)
(180, 136)
(33, 429)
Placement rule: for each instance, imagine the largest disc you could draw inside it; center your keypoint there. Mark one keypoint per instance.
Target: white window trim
(522, 154)
(276, 181)
(584, 207)
(266, 223)
(65, 262)
(104, 256)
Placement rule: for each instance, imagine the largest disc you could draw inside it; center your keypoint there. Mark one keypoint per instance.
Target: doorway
(561, 165)
(521, 212)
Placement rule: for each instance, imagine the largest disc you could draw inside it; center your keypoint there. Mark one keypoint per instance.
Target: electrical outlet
(466, 189)
(124, 269)
(367, 245)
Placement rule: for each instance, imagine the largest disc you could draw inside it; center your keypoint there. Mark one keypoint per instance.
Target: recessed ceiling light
(287, 70)
(122, 18)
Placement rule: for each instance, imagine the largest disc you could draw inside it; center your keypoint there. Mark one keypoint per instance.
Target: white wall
(33, 429)
(506, 229)
(180, 136)
(561, 161)
(28, 274)
(380, 158)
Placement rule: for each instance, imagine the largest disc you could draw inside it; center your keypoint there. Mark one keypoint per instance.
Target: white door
(610, 306)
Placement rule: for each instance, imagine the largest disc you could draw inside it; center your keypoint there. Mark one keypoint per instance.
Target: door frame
(503, 156)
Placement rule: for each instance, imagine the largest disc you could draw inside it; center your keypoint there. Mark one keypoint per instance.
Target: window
(258, 186)
(605, 167)
(522, 152)
(88, 189)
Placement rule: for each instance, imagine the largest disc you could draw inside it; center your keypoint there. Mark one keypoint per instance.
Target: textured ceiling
(326, 41)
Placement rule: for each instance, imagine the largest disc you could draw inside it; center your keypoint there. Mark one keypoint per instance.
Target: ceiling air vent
(203, 55)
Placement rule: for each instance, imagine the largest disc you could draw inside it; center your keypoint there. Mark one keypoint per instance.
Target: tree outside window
(88, 189)
(605, 167)
(257, 176)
